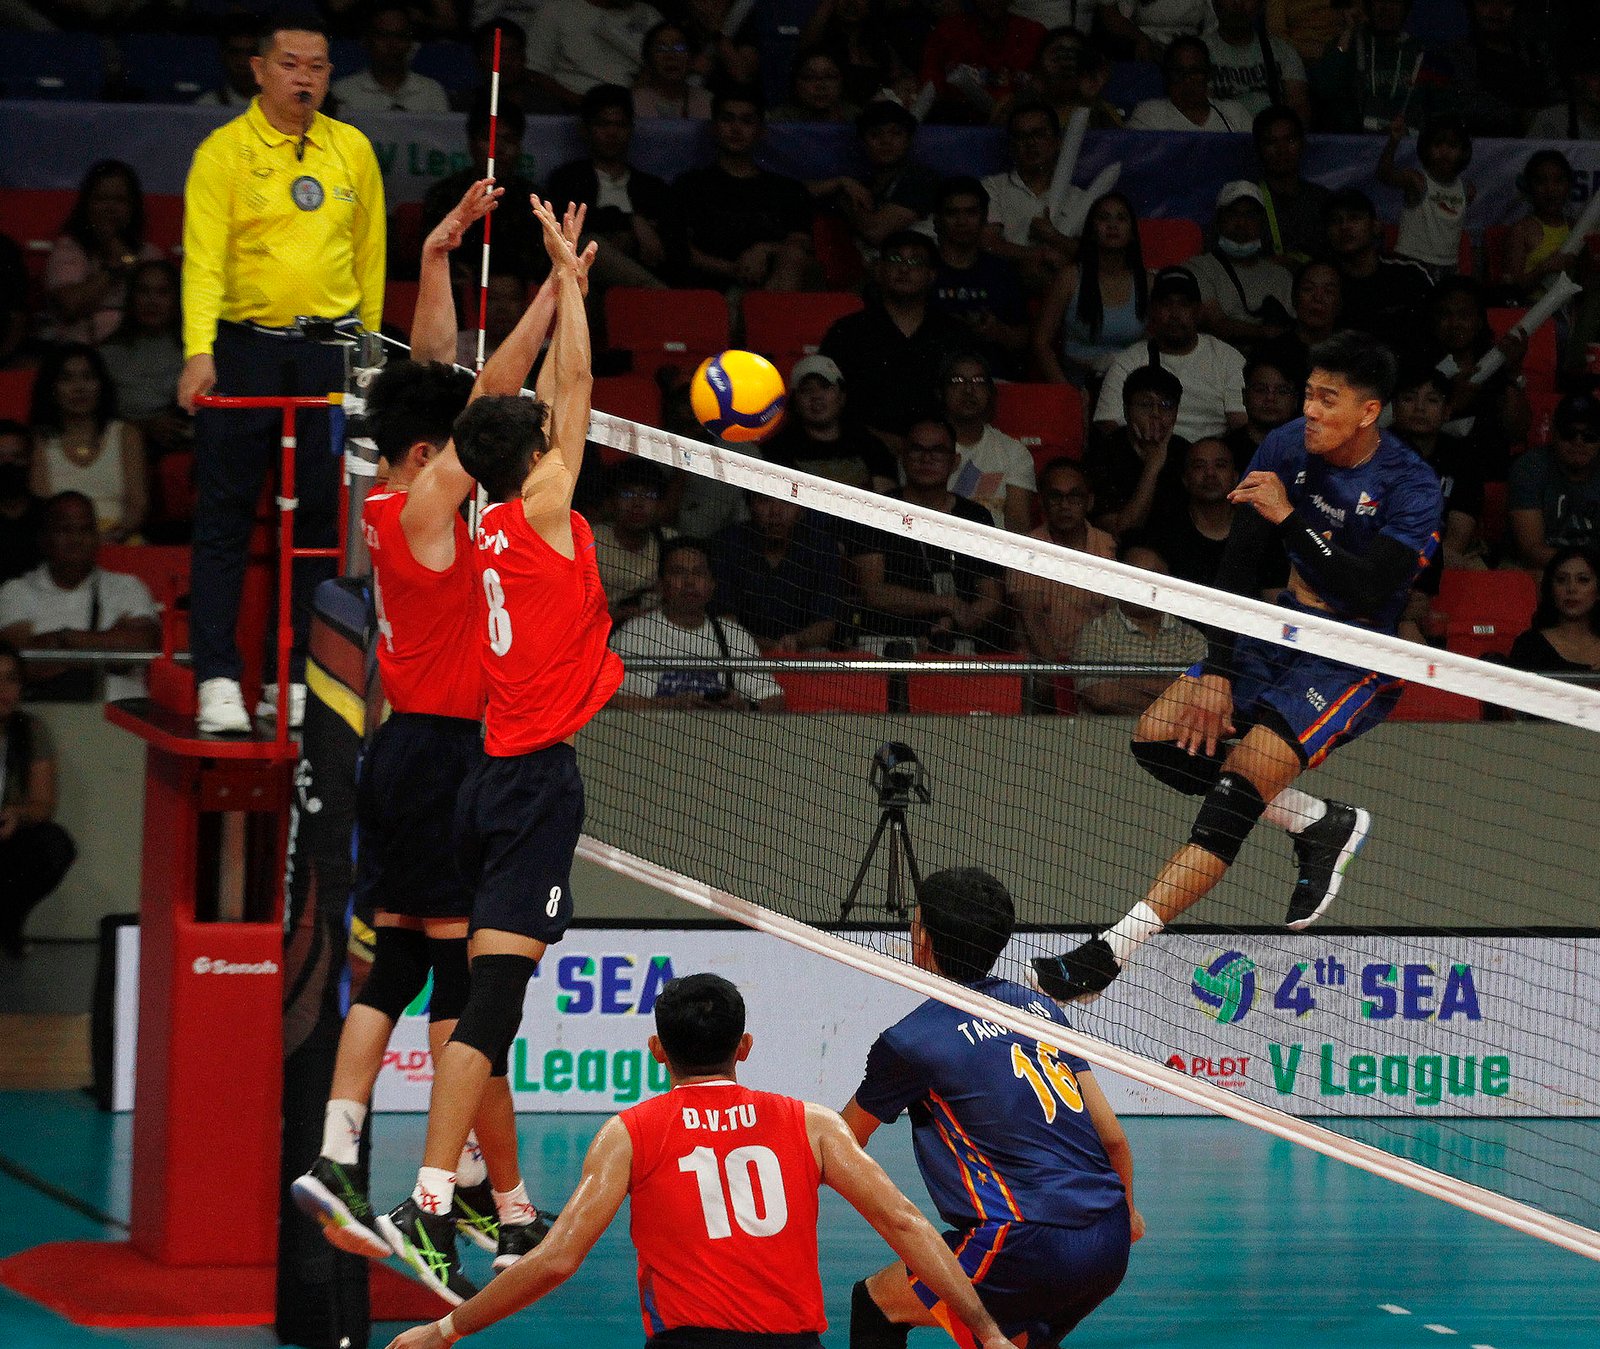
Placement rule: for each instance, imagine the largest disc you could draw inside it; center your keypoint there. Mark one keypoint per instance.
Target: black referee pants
(235, 452)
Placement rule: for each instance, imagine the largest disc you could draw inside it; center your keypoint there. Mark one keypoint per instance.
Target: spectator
(683, 628)
(818, 439)
(1210, 371)
(1144, 29)
(1318, 298)
(1311, 25)
(237, 46)
(917, 595)
(1019, 227)
(80, 445)
(1129, 463)
(1069, 74)
(577, 44)
(518, 85)
(975, 60)
(1240, 69)
(1565, 635)
(86, 277)
(518, 243)
(35, 852)
(663, 88)
(742, 225)
(778, 574)
(144, 358)
(1493, 415)
(1421, 405)
(1436, 197)
(1502, 72)
(1295, 206)
(67, 603)
(983, 291)
(1061, 16)
(1245, 294)
(854, 31)
(816, 91)
(1533, 255)
(1097, 307)
(1273, 387)
(1052, 615)
(388, 84)
(897, 192)
(1554, 499)
(1131, 634)
(21, 513)
(891, 351)
(1384, 297)
(994, 469)
(1375, 71)
(629, 540)
(628, 208)
(1188, 105)
(720, 59)
(1189, 527)
(1578, 118)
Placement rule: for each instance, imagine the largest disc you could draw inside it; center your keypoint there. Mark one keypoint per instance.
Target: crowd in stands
(1168, 370)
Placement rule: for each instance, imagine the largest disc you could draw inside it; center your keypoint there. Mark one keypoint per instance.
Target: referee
(283, 237)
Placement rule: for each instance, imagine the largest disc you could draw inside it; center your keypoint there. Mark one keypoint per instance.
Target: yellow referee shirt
(269, 236)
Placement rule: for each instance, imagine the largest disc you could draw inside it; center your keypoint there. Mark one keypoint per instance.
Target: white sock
(1137, 927)
(436, 1190)
(470, 1170)
(341, 1131)
(514, 1207)
(1294, 810)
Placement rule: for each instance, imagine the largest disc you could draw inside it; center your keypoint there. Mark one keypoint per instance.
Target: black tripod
(897, 775)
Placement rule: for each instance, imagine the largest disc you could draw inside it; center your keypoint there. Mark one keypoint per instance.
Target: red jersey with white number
(548, 664)
(724, 1191)
(430, 623)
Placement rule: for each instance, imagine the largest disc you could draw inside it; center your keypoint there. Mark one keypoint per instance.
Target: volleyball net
(1437, 1026)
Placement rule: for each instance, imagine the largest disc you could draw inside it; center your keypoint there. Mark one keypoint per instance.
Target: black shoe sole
(341, 1227)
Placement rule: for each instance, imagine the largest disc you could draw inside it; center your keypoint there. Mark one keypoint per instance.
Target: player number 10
(709, 1174)
(1043, 1073)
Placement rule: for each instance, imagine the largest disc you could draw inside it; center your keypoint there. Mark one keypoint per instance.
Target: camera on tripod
(897, 776)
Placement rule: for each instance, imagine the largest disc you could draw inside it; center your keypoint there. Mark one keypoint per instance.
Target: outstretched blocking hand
(478, 200)
(561, 238)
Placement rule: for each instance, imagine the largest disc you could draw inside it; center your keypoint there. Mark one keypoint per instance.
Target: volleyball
(737, 396)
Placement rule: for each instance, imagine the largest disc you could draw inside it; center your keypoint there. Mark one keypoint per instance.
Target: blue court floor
(1252, 1243)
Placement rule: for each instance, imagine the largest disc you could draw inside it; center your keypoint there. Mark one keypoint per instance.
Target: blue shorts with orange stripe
(1034, 1278)
(1316, 703)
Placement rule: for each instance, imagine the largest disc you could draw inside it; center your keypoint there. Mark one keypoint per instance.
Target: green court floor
(1253, 1243)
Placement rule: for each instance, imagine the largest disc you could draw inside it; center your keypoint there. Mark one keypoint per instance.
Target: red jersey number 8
(737, 1168)
(499, 619)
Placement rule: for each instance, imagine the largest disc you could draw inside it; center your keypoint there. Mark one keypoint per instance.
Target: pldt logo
(1227, 986)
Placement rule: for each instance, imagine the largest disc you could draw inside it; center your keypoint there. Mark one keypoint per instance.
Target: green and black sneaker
(427, 1242)
(336, 1196)
(517, 1239)
(475, 1216)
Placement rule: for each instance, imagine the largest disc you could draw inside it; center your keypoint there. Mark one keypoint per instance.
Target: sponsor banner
(54, 143)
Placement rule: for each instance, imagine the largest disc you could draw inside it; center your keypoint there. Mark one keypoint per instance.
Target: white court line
(1392, 1309)
(1440, 1330)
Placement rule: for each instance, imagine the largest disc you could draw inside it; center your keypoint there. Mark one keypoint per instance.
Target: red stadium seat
(1423, 702)
(833, 691)
(1539, 365)
(1494, 254)
(165, 569)
(635, 397)
(163, 221)
(1047, 418)
(33, 217)
(786, 327)
(16, 394)
(175, 488)
(399, 303)
(837, 254)
(1486, 610)
(1542, 410)
(965, 694)
(666, 327)
(405, 239)
(1165, 243)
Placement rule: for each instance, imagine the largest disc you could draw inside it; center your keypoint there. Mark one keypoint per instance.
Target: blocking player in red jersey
(430, 622)
(723, 1182)
(518, 815)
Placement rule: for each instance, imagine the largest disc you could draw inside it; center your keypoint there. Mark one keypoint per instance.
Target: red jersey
(724, 1191)
(430, 623)
(549, 667)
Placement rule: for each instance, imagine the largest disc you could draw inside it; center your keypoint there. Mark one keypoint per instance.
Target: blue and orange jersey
(998, 1120)
(1394, 494)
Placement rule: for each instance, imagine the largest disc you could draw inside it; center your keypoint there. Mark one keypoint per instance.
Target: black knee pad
(1227, 816)
(494, 1007)
(399, 970)
(869, 1327)
(1191, 774)
(448, 956)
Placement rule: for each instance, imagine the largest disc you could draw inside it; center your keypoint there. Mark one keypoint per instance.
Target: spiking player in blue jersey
(1359, 513)
(1020, 1151)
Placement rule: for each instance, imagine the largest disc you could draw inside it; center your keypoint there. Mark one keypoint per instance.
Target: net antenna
(898, 778)
(480, 498)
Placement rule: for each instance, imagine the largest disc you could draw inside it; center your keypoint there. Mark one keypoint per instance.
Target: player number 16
(1049, 1079)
